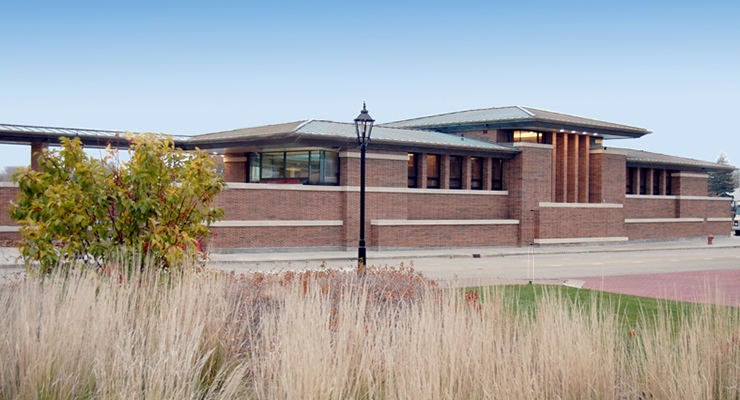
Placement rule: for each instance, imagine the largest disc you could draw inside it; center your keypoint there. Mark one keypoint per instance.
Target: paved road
(559, 266)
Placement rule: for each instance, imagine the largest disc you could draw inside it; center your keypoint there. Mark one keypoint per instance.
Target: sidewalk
(8, 255)
(382, 257)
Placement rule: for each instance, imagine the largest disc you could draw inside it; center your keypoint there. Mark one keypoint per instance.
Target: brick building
(508, 176)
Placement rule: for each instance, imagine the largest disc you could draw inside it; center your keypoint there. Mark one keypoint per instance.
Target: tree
(722, 183)
(6, 175)
(158, 204)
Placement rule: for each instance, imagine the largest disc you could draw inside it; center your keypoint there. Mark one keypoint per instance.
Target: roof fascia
(534, 124)
(289, 140)
(677, 166)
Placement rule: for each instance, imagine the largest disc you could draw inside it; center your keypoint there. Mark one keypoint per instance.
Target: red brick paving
(720, 286)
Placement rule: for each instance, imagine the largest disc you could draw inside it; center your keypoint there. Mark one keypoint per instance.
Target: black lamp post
(363, 126)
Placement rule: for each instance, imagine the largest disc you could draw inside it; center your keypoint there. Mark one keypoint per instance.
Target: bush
(76, 207)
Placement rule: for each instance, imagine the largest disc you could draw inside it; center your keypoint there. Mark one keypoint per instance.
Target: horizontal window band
(442, 222)
(373, 189)
(690, 175)
(582, 240)
(679, 197)
(374, 156)
(581, 205)
(660, 220)
(294, 223)
(535, 145)
(651, 197)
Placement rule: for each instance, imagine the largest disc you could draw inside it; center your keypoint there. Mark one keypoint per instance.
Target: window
(308, 167)
(629, 180)
(532, 137)
(456, 172)
(643, 181)
(668, 179)
(432, 171)
(656, 181)
(413, 169)
(476, 173)
(497, 179)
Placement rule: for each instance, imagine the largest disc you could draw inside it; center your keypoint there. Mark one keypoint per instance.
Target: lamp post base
(361, 258)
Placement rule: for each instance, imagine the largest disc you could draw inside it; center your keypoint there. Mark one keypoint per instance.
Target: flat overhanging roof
(308, 132)
(519, 118)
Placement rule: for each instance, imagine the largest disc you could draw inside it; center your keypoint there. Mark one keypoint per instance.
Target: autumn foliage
(76, 207)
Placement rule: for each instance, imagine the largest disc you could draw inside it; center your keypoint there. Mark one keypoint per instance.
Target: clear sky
(188, 67)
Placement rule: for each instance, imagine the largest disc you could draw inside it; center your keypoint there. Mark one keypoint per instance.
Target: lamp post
(363, 127)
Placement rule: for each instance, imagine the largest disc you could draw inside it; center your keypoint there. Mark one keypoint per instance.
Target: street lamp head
(363, 126)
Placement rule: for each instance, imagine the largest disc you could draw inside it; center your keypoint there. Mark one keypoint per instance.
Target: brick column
(444, 172)
(560, 163)
(608, 178)
(235, 167)
(422, 171)
(583, 168)
(661, 182)
(37, 151)
(649, 181)
(572, 169)
(466, 173)
(528, 179)
(636, 180)
(486, 174)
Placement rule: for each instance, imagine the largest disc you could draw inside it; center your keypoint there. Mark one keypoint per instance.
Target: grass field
(331, 335)
(632, 310)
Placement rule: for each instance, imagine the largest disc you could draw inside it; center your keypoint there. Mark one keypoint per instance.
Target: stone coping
(418, 222)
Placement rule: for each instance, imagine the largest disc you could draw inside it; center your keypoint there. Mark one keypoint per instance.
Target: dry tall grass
(333, 336)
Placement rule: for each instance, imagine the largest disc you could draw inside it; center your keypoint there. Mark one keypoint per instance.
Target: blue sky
(191, 67)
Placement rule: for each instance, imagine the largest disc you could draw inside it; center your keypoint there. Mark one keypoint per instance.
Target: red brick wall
(650, 207)
(596, 184)
(662, 230)
(275, 237)
(443, 236)
(452, 206)
(528, 178)
(579, 222)
(235, 171)
(266, 204)
(718, 228)
(378, 172)
(689, 208)
(688, 186)
(7, 194)
(613, 177)
(675, 230)
(386, 173)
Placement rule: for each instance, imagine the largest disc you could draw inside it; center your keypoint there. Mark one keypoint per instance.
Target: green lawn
(632, 309)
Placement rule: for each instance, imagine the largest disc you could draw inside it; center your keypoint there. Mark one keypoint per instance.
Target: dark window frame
(413, 170)
(456, 180)
(322, 161)
(497, 179)
(476, 183)
(433, 182)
